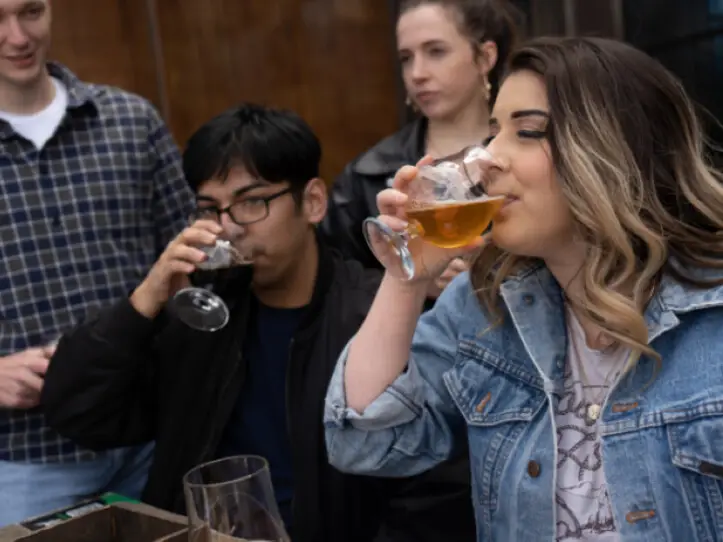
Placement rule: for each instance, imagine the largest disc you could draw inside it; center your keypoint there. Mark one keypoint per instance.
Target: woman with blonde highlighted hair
(581, 358)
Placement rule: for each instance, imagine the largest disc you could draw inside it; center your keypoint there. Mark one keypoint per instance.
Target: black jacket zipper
(287, 393)
(214, 433)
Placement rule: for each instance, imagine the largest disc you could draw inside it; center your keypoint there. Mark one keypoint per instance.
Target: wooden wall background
(332, 61)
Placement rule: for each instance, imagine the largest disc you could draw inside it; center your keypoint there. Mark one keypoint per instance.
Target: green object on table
(110, 498)
(77, 510)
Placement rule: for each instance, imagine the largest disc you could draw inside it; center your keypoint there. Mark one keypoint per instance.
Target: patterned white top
(583, 504)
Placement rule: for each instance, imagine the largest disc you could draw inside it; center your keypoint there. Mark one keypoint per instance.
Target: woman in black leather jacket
(452, 53)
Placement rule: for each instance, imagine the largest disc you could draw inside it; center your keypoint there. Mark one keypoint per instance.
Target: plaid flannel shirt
(81, 222)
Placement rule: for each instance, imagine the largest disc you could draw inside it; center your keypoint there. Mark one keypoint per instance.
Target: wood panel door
(332, 61)
(108, 41)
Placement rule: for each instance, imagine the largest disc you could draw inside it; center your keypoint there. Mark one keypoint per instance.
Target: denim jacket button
(528, 299)
(533, 469)
(639, 515)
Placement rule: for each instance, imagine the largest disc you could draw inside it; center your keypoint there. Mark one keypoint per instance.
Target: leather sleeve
(342, 226)
(99, 387)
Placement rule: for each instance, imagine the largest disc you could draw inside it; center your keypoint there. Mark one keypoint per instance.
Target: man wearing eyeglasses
(256, 386)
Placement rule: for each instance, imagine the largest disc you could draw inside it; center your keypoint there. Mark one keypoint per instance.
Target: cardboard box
(108, 518)
(117, 522)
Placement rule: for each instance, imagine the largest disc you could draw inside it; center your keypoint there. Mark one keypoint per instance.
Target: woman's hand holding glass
(452, 205)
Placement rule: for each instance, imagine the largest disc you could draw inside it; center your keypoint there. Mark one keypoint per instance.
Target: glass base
(200, 309)
(390, 248)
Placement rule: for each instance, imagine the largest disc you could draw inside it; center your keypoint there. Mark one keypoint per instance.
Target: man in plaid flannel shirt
(91, 191)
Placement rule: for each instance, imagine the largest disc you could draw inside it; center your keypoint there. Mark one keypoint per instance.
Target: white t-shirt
(40, 127)
(583, 504)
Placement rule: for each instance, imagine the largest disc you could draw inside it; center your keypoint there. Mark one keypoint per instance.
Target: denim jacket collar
(533, 299)
(672, 295)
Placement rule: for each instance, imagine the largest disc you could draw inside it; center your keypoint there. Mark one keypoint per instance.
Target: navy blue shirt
(258, 423)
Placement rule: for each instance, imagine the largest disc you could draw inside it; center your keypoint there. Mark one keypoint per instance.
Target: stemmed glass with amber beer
(448, 207)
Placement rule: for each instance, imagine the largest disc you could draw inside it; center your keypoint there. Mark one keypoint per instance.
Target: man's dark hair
(272, 144)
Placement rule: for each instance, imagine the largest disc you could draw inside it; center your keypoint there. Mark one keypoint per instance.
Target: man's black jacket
(121, 379)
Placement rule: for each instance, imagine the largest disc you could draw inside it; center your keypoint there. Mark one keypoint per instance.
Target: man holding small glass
(240, 363)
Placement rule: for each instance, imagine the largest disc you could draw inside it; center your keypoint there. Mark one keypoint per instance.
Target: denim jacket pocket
(695, 437)
(490, 391)
(499, 402)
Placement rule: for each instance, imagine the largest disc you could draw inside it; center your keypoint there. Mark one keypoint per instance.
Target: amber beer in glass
(447, 206)
(453, 224)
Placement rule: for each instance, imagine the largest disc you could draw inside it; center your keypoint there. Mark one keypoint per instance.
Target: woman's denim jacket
(493, 388)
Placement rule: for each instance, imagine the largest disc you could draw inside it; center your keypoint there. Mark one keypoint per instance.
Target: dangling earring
(410, 104)
(487, 94)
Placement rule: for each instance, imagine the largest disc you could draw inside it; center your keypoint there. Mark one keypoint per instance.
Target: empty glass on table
(233, 499)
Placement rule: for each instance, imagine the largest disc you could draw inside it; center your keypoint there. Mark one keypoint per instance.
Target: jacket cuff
(391, 409)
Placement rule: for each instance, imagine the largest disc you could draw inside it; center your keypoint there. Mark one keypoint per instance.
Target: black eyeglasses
(242, 212)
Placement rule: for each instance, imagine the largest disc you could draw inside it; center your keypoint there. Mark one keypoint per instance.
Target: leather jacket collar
(399, 149)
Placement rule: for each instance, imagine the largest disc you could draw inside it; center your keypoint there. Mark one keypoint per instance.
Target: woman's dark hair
(272, 144)
(480, 21)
